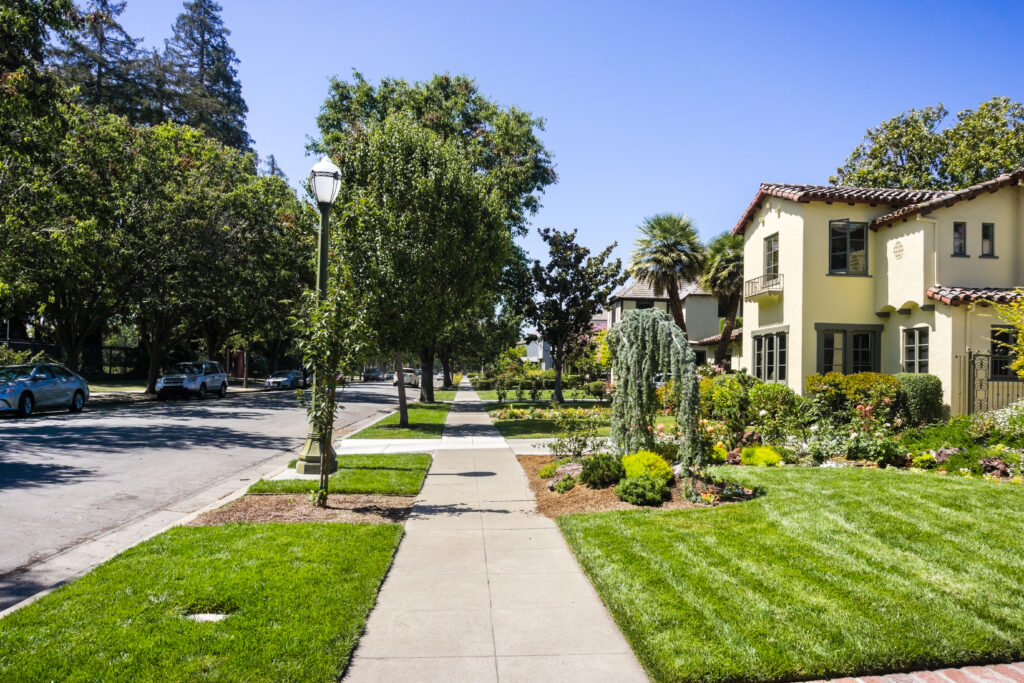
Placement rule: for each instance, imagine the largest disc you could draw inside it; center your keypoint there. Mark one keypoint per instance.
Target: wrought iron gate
(987, 383)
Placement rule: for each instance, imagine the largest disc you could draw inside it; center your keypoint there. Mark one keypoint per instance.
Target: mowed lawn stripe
(832, 572)
(399, 474)
(297, 596)
(426, 421)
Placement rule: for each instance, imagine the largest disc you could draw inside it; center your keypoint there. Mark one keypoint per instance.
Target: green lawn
(399, 474)
(297, 594)
(444, 395)
(117, 385)
(834, 572)
(426, 421)
(533, 428)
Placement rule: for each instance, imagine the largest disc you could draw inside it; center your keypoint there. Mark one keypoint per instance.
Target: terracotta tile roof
(833, 193)
(959, 296)
(949, 198)
(634, 289)
(736, 335)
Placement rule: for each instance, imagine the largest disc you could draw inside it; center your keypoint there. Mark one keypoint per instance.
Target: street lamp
(325, 180)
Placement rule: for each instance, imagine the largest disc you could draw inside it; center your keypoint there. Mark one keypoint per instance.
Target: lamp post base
(309, 456)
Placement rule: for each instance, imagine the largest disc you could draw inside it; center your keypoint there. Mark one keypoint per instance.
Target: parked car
(373, 375)
(26, 388)
(197, 378)
(410, 377)
(661, 379)
(285, 379)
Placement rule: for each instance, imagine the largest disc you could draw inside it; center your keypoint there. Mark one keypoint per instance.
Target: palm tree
(723, 277)
(668, 250)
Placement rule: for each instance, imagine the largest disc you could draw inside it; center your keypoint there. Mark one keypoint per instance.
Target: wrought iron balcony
(768, 286)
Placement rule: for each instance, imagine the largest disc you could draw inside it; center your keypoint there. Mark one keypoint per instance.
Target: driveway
(66, 478)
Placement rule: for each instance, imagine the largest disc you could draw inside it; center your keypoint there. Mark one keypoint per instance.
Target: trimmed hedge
(922, 397)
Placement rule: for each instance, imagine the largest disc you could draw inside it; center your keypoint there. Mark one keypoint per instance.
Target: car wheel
(201, 394)
(26, 405)
(77, 402)
(223, 391)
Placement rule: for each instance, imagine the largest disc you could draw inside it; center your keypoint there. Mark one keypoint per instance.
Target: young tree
(571, 288)
(666, 252)
(723, 277)
(914, 150)
(102, 61)
(420, 231)
(208, 93)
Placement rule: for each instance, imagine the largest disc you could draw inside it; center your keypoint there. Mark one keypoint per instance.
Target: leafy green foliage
(565, 484)
(726, 398)
(916, 149)
(571, 288)
(575, 436)
(775, 410)
(642, 490)
(760, 456)
(922, 397)
(723, 277)
(602, 470)
(647, 463)
(667, 250)
(646, 342)
(548, 471)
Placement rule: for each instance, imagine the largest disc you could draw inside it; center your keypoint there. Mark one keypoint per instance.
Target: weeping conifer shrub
(645, 343)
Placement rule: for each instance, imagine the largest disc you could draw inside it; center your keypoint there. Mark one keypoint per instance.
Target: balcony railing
(763, 287)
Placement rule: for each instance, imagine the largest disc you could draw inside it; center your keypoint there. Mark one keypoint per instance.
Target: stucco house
(701, 311)
(857, 279)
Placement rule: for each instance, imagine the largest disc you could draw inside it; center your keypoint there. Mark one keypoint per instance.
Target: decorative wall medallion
(897, 250)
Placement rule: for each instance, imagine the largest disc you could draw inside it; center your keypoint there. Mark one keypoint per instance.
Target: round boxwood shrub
(922, 397)
(760, 456)
(647, 463)
(601, 471)
(774, 410)
(642, 490)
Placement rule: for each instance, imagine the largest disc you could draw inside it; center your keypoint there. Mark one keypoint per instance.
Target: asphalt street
(67, 478)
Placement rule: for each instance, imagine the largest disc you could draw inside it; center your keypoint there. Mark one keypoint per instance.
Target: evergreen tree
(208, 93)
(102, 60)
(271, 168)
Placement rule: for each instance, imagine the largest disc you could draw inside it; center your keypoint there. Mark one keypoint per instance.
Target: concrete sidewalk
(482, 587)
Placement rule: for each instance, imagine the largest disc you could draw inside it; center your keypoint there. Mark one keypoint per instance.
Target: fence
(986, 383)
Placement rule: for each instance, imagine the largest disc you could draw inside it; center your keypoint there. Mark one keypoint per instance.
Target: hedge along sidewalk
(126, 620)
(834, 571)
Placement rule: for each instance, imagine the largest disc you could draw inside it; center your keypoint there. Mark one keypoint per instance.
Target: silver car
(284, 379)
(197, 378)
(27, 388)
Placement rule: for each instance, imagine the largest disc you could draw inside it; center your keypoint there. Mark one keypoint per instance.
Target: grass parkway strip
(399, 474)
(833, 572)
(296, 596)
(426, 421)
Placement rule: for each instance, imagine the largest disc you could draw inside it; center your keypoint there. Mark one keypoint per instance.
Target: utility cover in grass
(296, 598)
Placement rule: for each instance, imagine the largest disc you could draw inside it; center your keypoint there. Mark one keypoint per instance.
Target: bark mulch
(583, 498)
(294, 507)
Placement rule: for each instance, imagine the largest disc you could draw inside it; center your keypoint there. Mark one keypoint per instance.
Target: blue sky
(650, 107)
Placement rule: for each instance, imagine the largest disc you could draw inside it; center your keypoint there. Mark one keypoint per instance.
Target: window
(1001, 346)
(849, 350)
(915, 350)
(959, 239)
(701, 356)
(847, 248)
(988, 240)
(771, 254)
(770, 357)
(640, 305)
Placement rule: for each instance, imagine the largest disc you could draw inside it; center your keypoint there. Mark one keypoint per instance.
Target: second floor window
(640, 305)
(959, 239)
(771, 255)
(1001, 347)
(847, 248)
(988, 239)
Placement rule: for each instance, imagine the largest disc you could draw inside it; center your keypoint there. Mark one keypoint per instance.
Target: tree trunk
(403, 407)
(245, 368)
(446, 365)
(155, 361)
(556, 360)
(722, 357)
(427, 374)
(676, 308)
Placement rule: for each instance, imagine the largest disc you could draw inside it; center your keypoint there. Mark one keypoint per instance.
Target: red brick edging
(994, 673)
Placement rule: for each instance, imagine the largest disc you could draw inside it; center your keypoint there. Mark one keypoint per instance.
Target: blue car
(38, 386)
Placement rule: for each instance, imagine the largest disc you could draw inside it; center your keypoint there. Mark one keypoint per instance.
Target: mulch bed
(583, 498)
(295, 507)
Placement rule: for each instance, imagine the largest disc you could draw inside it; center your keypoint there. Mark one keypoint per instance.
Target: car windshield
(189, 368)
(9, 373)
(282, 373)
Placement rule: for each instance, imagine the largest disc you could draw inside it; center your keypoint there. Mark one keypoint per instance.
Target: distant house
(701, 311)
(539, 352)
(851, 279)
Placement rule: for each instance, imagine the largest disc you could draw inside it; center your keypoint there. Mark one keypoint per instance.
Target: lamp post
(325, 180)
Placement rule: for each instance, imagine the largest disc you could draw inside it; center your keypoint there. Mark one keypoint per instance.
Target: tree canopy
(723, 278)
(667, 251)
(919, 149)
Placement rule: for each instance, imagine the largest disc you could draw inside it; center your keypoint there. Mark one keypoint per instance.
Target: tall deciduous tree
(208, 93)
(570, 289)
(666, 252)
(916, 149)
(420, 230)
(102, 61)
(723, 277)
